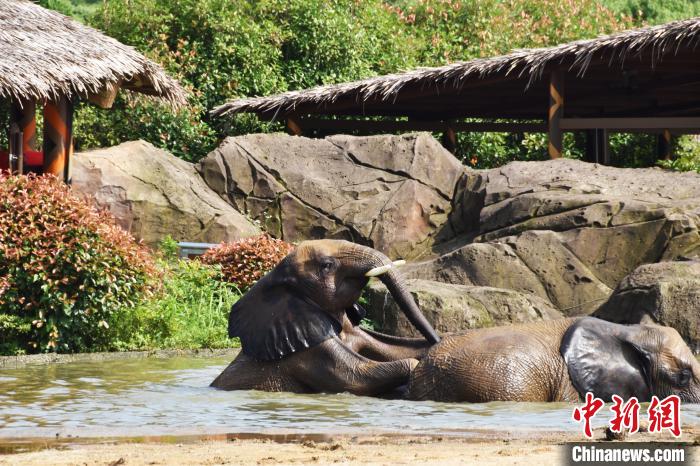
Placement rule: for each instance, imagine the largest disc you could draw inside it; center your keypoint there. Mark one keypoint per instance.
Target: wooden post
(449, 139)
(556, 112)
(597, 146)
(294, 126)
(16, 147)
(663, 146)
(591, 154)
(24, 115)
(58, 138)
(603, 149)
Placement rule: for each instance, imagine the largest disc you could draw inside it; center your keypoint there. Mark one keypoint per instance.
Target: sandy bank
(484, 449)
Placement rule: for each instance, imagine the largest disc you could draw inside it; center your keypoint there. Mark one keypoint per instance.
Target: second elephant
(558, 360)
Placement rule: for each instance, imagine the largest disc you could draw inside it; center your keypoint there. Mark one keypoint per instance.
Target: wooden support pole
(16, 153)
(603, 146)
(556, 112)
(591, 146)
(449, 139)
(663, 146)
(58, 138)
(294, 126)
(24, 116)
(597, 146)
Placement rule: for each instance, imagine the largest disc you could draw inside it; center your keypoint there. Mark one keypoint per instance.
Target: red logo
(626, 415)
(663, 414)
(587, 412)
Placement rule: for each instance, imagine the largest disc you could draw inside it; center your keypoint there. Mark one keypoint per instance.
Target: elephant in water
(299, 326)
(558, 360)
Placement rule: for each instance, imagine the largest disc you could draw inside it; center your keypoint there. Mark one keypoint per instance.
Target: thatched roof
(522, 69)
(44, 54)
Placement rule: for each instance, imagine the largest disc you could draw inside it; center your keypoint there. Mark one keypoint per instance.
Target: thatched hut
(643, 80)
(51, 60)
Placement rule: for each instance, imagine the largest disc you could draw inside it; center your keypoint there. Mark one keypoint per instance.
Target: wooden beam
(105, 98)
(621, 124)
(555, 114)
(390, 126)
(23, 114)
(58, 138)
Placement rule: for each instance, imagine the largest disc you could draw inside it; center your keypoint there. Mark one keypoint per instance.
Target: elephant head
(630, 360)
(303, 300)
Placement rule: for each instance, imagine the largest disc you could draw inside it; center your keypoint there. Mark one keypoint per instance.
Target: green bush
(220, 50)
(190, 312)
(656, 11)
(451, 30)
(687, 155)
(66, 268)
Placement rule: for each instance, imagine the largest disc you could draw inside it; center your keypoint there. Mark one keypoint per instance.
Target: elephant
(299, 326)
(559, 360)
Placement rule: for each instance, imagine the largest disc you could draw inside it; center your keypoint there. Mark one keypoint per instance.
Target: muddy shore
(483, 448)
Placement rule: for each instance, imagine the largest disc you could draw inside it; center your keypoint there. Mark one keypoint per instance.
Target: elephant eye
(327, 266)
(684, 377)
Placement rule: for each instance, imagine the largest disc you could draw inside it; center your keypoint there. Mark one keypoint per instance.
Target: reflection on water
(167, 396)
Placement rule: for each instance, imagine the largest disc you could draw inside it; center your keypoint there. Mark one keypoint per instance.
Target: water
(172, 397)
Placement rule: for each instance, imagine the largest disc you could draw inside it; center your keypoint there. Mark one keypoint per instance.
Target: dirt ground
(381, 450)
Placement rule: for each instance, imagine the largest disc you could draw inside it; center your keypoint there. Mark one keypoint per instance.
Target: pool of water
(172, 396)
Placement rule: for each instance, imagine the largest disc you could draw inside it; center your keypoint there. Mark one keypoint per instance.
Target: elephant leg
(334, 367)
(245, 373)
(381, 347)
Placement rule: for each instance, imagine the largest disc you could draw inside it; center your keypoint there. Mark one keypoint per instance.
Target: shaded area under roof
(653, 71)
(45, 55)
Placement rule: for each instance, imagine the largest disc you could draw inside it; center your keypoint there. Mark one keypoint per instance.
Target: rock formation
(565, 230)
(666, 293)
(455, 308)
(390, 192)
(153, 194)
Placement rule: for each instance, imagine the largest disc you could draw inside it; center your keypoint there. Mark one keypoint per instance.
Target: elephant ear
(606, 359)
(273, 321)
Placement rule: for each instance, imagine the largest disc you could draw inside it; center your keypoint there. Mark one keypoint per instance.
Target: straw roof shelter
(645, 79)
(53, 60)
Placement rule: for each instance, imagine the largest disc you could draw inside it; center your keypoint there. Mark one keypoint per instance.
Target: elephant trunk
(396, 286)
(376, 264)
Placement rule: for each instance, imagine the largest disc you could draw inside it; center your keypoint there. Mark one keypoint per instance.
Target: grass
(190, 312)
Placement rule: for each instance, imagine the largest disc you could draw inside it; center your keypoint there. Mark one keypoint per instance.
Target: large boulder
(667, 293)
(454, 308)
(564, 230)
(153, 194)
(390, 192)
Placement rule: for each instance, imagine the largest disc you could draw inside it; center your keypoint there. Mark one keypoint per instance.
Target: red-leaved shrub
(65, 268)
(245, 261)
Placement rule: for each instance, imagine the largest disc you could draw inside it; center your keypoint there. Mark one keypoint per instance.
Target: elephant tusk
(375, 272)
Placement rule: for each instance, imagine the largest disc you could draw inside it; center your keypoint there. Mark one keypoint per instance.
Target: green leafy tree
(222, 50)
